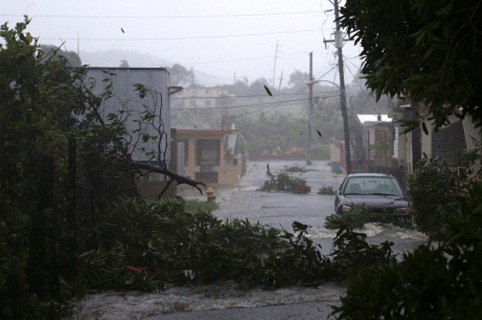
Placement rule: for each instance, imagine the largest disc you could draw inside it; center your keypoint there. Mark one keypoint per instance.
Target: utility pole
(339, 45)
(275, 58)
(310, 107)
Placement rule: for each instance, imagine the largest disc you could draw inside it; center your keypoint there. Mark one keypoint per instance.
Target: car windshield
(373, 186)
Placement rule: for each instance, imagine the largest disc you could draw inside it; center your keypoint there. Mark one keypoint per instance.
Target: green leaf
(268, 91)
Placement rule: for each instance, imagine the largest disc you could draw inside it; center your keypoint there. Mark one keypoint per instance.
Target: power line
(269, 104)
(248, 59)
(236, 15)
(189, 37)
(246, 96)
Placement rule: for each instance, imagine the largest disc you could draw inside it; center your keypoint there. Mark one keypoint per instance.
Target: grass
(195, 206)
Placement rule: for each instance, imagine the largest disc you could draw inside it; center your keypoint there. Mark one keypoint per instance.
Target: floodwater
(220, 301)
(278, 210)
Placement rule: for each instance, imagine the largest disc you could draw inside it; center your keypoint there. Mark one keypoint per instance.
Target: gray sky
(222, 38)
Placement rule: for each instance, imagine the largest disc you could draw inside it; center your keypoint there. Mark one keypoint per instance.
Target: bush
(433, 282)
(353, 219)
(352, 253)
(283, 182)
(149, 247)
(434, 188)
(329, 190)
(357, 217)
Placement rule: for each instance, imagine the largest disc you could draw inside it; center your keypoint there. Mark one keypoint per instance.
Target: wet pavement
(218, 301)
(281, 209)
(278, 210)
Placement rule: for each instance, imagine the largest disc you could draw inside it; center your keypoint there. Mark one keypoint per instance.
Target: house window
(208, 103)
(208, 153)
(448, 144)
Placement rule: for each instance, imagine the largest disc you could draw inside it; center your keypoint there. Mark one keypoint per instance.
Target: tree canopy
(422, 50)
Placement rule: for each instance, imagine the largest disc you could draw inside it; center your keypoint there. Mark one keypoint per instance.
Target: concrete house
(447, 144)
(202, 98)
(378, 140)
(210, 155)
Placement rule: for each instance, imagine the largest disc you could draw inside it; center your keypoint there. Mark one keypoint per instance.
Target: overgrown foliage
(151, 247)
(434, 188)
(280, 136)
(39, 102)
(284, 182)
(329, 190)
(353, 219)
(352, 253)
(434, 282)
(423, 50)
(356, 218)
(63, 166)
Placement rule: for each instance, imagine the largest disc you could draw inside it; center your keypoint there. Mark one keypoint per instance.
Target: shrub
(357, 217)
(352, 253)
(433, 282)
(146, 247)
(295, 169)
(283, 182)
(353, 219)
(434, 188)
(329, 190)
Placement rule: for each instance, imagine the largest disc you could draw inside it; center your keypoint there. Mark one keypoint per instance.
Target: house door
(208, 157)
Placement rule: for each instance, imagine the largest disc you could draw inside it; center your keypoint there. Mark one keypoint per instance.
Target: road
(279, 210)
(226, 301)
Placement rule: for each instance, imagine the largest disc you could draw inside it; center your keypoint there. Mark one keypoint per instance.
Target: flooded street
(278, 210)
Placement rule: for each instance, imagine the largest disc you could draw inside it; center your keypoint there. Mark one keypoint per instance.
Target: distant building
(202, 98)
(379, 139)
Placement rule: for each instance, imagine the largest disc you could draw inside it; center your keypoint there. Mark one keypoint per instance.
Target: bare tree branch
(174, 177)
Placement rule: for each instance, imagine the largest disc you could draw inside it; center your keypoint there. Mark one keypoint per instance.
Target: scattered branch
(174, 177)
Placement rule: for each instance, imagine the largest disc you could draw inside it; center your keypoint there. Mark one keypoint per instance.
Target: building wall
(228, 172)
(201, 97)
(449, 142)
(472, 134)
(126, 99)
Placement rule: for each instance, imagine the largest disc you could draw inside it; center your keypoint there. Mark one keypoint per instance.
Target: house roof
(364, 118)
(204, 132)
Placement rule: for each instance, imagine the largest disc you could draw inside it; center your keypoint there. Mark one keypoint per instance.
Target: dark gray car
(376, 192)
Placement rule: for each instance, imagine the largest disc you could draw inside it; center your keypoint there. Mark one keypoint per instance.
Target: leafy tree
(299, 79)
(434, 282)
(62, 165)
(53, 52)
(38, 104)
(423, 50)
(180, 76)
